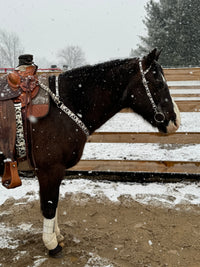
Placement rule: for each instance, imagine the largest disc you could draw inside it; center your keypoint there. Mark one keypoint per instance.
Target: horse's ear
(153, 55)
(158, 54)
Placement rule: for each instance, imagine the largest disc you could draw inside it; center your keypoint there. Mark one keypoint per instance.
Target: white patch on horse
(172, 127)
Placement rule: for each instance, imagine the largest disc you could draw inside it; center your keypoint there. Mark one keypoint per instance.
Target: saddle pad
(5, 91)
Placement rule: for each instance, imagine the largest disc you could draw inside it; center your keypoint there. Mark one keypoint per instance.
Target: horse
(88, 97)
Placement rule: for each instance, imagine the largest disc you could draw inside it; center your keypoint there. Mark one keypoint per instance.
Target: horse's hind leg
(59, 237)
(49, 181)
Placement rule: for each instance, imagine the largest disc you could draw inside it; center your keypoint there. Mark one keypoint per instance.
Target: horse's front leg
(49, 181)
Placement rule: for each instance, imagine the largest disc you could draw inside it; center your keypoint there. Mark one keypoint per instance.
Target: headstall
(159, 117)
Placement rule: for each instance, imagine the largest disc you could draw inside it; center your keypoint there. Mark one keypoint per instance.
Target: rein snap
(159, 117)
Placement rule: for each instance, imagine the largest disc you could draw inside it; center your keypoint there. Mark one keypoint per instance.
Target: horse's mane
(93, 70)
(107, 76)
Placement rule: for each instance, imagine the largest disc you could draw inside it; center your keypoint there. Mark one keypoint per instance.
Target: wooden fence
(184, 85)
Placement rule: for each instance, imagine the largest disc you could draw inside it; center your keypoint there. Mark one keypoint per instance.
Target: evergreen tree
(174, 26)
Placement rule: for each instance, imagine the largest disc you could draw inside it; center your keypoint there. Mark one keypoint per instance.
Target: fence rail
(138, 166)
(145, 137)
(182, 74)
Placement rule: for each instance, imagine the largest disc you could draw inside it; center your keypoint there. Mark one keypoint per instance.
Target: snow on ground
(169, 194)
(96, 260)
(6, 241)
(29, 190)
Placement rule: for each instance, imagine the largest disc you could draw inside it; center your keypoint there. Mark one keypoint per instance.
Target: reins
(65, 109)
(158, 116)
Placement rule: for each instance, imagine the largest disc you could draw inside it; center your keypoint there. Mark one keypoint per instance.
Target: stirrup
(11, 177)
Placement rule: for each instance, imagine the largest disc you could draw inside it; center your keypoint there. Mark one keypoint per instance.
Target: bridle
(159, 117)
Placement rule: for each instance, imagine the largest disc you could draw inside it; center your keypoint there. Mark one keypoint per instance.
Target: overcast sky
(104, 29)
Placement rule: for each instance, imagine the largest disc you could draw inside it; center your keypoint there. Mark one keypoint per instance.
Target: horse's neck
(97, 95)
(99, 115)
(95, 106)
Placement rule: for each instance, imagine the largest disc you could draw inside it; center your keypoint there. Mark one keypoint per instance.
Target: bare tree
(72, 56)
(42, 62)
(10, 49)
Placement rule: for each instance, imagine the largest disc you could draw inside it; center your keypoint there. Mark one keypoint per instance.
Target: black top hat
(25, 60)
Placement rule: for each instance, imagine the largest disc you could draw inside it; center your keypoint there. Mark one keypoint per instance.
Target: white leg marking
(49, 236)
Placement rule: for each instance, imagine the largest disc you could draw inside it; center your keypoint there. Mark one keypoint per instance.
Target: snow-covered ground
(169, 194)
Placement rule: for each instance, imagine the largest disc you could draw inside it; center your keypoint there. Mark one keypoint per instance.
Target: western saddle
(16, 88)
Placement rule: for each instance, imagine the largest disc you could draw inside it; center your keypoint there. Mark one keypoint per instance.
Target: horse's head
(149, 95)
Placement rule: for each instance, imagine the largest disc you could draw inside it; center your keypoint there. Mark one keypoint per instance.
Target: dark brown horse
(94, 94)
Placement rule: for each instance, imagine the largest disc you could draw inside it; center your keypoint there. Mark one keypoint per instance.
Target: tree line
(11, 47)
(172, 25)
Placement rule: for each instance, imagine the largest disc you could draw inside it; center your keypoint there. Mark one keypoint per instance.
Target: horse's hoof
(56, 252)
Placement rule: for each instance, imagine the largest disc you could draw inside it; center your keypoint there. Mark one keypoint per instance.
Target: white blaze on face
(172, 127)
